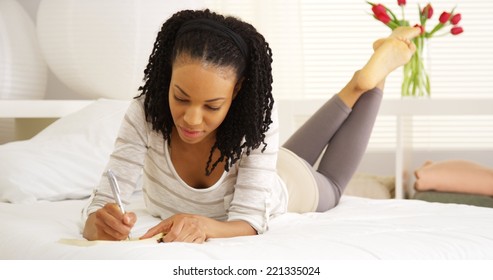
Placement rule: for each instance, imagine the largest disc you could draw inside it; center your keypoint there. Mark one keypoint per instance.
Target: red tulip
(427, 11)
(456, 30)
(379, 9)
(381, 13)
(444, 17)
(455, 19)
(401, 2)
(383, 18)
(420, 27)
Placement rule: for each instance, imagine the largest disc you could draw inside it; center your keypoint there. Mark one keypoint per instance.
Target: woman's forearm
(218, 229)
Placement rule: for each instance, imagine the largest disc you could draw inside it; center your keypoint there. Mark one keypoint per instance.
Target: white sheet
(357, 228)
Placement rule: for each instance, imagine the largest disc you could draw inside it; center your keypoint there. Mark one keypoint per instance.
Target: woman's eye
(179, 99)
(213, 108)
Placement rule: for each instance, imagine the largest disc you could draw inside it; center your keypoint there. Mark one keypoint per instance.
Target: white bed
(359, 228)
(45, 182)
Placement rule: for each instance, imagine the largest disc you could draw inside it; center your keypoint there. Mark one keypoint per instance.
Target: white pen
(116, 191)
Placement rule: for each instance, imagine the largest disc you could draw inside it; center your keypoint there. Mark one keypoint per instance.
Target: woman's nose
(193, 116)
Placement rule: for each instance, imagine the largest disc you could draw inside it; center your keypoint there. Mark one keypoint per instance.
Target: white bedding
(357, 228)
(44, 181)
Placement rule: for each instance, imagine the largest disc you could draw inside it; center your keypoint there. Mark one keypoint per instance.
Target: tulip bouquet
(416, 81)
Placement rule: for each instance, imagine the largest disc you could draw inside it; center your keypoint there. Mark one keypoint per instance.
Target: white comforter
(357, 228)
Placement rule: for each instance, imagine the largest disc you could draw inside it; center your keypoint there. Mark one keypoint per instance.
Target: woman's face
(200, 96)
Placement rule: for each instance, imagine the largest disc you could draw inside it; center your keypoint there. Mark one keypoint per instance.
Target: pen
(116, 191)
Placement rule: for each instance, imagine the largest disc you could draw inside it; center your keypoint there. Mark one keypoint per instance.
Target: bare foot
(378, 43)
(390, 53)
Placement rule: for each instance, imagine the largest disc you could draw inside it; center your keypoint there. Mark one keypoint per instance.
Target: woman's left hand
(181, 228)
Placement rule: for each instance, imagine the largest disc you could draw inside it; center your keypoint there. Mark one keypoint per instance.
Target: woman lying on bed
(203, 134)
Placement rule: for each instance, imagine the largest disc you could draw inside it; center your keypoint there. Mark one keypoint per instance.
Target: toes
(408, 42)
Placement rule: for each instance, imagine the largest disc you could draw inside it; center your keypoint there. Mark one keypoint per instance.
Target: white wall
(376, 161)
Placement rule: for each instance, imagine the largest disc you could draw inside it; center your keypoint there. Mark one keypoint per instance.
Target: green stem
(415, 79)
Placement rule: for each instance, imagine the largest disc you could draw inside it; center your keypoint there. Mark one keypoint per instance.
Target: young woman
(204, 133)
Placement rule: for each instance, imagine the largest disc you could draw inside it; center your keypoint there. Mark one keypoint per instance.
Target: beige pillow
(455, 176)
(371, 186)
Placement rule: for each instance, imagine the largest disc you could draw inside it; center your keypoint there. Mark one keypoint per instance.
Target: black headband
(218, 28)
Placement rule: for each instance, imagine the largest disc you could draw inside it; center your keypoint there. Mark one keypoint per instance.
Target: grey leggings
(344, 134)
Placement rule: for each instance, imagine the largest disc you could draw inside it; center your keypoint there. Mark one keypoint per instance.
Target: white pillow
(371, 186)
(65, 160)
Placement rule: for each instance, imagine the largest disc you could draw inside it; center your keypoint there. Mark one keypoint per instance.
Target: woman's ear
(238, 87)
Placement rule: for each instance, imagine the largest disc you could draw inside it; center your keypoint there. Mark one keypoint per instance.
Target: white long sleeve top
(250, 191)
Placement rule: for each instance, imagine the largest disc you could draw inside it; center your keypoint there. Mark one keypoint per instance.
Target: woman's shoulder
(138, 102)
(136, 108)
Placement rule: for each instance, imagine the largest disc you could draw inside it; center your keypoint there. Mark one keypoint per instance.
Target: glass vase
(416, 81)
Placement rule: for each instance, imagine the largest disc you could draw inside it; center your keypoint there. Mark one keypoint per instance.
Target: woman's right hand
(109, 223)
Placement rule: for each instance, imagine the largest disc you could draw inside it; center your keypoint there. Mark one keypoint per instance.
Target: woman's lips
(189, 133)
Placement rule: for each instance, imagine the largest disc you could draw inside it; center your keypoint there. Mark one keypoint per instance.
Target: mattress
(45, 182)
(357, 229)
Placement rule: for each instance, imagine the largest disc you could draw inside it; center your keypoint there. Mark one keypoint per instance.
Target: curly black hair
(249, 116)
